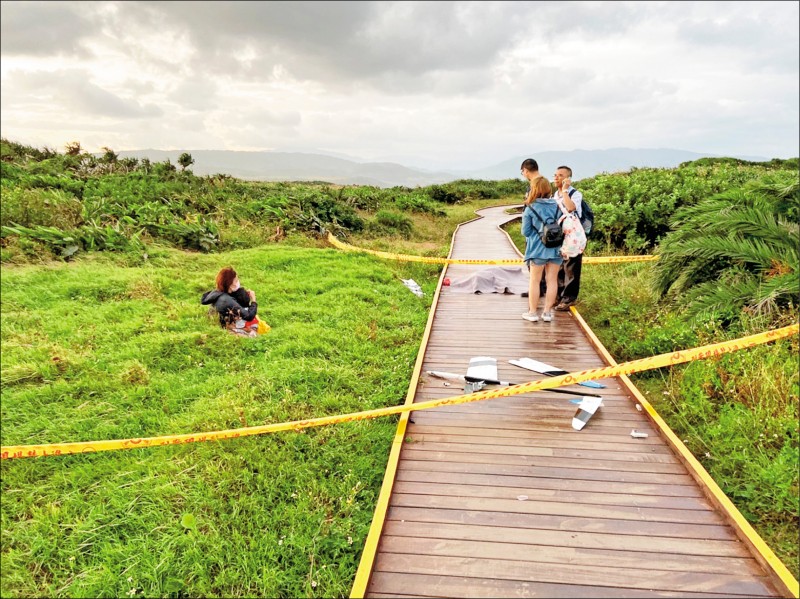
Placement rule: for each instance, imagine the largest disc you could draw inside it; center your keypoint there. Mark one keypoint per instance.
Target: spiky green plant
(735, 251)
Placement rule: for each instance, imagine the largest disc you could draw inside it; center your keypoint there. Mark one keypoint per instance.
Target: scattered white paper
(413, 286)
(637, 435)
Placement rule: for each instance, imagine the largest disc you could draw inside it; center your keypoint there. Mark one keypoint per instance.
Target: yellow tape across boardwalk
(659, 361)
(433, 260)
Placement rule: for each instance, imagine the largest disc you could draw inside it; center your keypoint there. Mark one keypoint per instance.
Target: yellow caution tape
(660, 361)
(617, 259)
(433, 260)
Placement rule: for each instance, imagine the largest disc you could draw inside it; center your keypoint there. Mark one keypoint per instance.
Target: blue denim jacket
(532, 227)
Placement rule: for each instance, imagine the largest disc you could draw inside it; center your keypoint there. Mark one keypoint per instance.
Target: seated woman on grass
(235, 305)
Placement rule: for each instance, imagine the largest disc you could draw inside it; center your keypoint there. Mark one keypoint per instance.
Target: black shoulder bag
(551, 234)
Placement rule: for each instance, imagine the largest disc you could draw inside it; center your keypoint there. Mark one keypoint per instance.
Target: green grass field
(97, 349)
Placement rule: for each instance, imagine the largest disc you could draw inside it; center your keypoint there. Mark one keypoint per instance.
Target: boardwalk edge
(781, 577)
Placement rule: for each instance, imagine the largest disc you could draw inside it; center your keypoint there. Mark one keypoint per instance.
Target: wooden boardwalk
(502, 498)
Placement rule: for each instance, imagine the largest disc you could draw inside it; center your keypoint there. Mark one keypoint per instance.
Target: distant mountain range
(296, 166)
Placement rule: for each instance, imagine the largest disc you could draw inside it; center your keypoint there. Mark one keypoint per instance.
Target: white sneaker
(547, 316)
(532, 316)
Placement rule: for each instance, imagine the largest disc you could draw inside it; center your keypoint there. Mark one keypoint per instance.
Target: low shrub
(387, 222)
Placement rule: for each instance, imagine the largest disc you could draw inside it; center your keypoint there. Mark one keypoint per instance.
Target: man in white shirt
(569, 277)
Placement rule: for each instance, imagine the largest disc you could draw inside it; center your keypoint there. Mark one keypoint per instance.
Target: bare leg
(551, 276)
(533, 288)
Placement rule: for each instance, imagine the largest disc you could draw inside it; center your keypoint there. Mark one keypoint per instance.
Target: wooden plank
(509, 458)
(557, 456)
(445, 489)
(550, 484)
(554, 537)
(525, 440)
(554, 508)
(466, 421)
(733, 584)
(575, 523)
(550, 405)
(585, 440)
(601, 422)
(578, 556)
(423, 585)
(563, 418)
(581, 474)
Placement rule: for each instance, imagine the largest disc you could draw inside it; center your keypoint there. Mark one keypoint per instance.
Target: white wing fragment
(586, 410)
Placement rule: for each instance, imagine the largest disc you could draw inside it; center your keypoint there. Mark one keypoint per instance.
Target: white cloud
(431, 84)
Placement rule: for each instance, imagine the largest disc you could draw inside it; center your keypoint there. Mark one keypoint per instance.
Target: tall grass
(98, 349)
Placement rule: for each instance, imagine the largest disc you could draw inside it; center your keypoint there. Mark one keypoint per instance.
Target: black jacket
(230, 307)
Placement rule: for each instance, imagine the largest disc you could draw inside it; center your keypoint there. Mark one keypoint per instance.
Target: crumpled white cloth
(497, 279)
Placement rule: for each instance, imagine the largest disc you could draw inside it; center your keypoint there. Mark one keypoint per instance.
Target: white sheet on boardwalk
(497, 279)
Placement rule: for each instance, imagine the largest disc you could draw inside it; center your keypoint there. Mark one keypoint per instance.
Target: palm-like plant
(185, 160)
(736, 250)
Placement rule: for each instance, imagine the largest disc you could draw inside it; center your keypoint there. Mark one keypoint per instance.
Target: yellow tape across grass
(433, 260)
(659, 361)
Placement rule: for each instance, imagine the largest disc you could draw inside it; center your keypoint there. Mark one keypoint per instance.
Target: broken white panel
(586, 410)
(548, 370)
(482, 367)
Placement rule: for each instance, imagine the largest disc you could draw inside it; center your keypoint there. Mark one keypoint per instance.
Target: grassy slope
(95, 350)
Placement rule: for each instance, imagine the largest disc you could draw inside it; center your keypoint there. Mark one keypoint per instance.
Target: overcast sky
(430, 84)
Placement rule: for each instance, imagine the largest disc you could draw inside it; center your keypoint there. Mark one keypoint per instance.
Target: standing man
(569, 276)
(530, 170)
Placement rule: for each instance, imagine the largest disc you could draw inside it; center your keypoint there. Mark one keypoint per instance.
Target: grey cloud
(136, 86)
(262, 119)
(198, 93)
(95, 100)
(620, 91)
(288, 119)
(391, 46)
(279, 29)
(333, 42)
(540, 86)
(760, 35)
(440, 83)
(43, 28)
(253, 127)
(73, 89)
(577, 20)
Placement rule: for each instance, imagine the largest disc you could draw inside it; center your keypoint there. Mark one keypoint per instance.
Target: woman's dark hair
(530, 164)
(225, 279)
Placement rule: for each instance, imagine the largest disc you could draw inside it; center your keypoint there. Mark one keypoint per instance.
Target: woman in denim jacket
(539, 207)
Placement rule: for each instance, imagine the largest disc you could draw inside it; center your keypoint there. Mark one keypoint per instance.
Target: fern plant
(734, 251)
